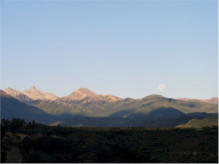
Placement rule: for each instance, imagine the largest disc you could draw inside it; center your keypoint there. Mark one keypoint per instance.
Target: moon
(161, 87)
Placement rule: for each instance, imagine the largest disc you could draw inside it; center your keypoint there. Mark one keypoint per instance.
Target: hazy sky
(129, 48)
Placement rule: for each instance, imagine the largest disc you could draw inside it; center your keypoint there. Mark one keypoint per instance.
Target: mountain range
(32, 94)
(86, 108)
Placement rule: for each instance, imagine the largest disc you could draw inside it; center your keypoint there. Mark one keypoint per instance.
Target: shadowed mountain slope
(12, 108)
(85, 108)
(85, 102)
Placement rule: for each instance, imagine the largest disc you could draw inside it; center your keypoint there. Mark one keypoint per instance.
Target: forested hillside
(31, 142)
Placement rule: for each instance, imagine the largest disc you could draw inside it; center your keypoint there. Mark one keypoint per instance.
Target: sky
(128, 48)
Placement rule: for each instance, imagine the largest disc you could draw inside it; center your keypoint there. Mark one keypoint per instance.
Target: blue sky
(121, 47)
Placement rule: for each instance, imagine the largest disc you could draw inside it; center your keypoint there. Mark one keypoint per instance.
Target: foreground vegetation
(32, 142)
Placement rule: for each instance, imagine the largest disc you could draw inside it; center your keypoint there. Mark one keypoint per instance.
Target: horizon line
(154, 94)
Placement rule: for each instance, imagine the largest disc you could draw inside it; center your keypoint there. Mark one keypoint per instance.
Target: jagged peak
(12, 91)
(35, 94)
(33, 88)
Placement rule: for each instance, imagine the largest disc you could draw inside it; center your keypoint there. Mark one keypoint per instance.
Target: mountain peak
(10, 89)
(3, 93)
(17, 94)
(36, 94)
(85, 91)
(80, 94)
(33, 88)
(154, 96)
(88, 95)
(12, 92)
